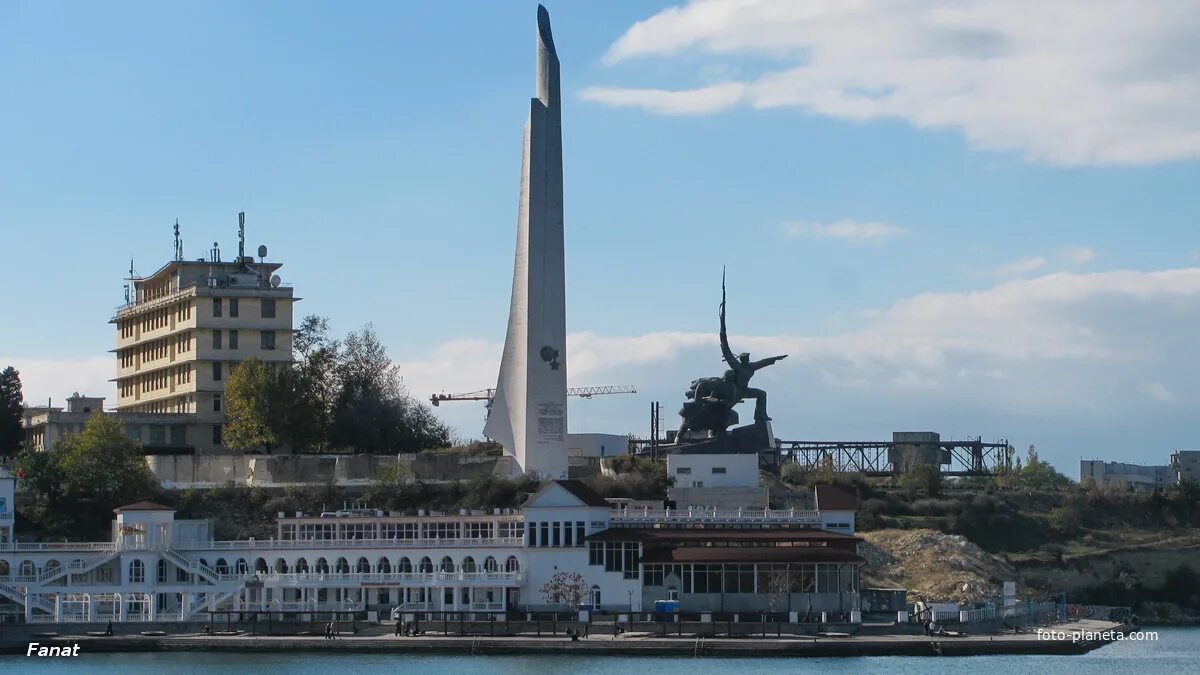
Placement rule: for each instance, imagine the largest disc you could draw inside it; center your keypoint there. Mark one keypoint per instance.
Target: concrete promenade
(1081, 636)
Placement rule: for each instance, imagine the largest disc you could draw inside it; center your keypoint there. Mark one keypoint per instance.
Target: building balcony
(715, 516)
(53, 546)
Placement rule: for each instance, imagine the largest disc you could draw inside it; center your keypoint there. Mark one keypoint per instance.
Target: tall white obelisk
(529, 412)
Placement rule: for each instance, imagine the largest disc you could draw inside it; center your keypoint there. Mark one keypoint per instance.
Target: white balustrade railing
(694, 514)
(293, 544)
(58, 546)
(378, 577)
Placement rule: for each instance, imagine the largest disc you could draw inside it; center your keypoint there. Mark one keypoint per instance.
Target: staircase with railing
(192, 566)
(22, 596)
(76, 567)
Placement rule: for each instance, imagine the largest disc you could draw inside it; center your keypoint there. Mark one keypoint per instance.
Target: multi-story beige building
(185, 328)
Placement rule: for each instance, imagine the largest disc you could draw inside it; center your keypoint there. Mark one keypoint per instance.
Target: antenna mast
(178, 242)
(241, 235)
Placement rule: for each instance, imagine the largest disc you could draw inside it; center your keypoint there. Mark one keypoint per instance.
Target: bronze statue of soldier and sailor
(711, 399)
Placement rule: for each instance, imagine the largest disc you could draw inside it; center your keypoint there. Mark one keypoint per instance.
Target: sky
(978, 218)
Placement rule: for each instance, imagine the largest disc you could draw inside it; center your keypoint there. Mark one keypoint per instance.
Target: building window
(216, 339)
(137, 571)
(545, 535)
(268, 308)
(556, 535)
(216, 403)
(268, 339)
(216, 371)
(233, 308)
(233, 339)
(579, 533)
(718, 469)
(216, 434)
(568, 536)
(216, 307)
(616, 557)
(683, 470)
(442, 530)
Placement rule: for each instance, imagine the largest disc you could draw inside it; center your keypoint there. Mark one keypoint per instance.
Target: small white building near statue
(713, 470)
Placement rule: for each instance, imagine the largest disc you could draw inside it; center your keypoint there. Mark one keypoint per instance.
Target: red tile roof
(143, 506)
(766, 554)
(584, 493)
(835, 498)
(718, 534)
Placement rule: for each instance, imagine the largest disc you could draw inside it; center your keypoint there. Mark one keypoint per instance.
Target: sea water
(1175, 651)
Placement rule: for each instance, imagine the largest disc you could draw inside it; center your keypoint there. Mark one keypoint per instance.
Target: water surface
(1177, 652)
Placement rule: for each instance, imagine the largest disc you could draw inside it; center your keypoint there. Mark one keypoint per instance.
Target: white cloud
(1072, 82)
(1158, 391)
(1020, 267)
(847, 230)
(1079, 346)
(56, 379)
(692, 102)
(1078, 255)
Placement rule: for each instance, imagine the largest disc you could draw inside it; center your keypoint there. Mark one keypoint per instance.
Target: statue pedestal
(751, 438)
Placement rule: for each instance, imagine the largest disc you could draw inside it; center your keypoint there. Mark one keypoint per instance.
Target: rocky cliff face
(1144, 574)
(933, 565)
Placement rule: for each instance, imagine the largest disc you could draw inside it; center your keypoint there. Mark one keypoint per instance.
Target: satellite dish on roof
(262, 251)
(275, 281)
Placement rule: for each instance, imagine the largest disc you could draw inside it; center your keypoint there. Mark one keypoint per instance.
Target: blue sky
(952, 219)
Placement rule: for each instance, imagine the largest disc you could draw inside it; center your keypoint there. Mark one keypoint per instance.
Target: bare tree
(565, 588)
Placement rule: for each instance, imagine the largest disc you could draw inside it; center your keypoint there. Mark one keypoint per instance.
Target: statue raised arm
(743, 368)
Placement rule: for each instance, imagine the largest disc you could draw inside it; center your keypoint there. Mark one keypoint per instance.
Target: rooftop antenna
(241, 235)
(178, 242)
(128, 288)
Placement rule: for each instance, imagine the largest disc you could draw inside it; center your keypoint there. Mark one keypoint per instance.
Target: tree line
(336, 396)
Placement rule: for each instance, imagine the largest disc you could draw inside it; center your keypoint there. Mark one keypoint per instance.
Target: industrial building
(1184, 466)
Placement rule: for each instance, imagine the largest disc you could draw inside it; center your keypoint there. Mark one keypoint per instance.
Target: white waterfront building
(159, 568)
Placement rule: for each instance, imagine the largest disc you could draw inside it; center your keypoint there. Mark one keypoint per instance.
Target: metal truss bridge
(971, 457)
